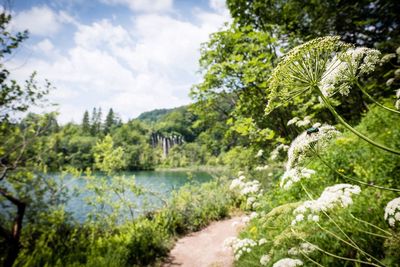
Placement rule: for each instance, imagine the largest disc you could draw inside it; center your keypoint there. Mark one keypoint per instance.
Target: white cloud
(149, 64)
(45, 46)
(41, 21)
(218, 5)
(144, 5)
(38, 20)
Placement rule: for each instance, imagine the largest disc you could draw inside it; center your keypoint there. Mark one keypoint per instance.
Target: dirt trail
(206, 247)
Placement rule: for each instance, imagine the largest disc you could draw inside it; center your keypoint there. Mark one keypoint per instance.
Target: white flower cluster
(344, 68)
(300, 123)
(397, 104)
(249, 189)
(259, 153)
(306, 248)
(265, 259)
(245, 188)
(392, 212)
(275, 153)
(294, 175)
(303, 147)
(239, 246)
(261, 168)
(253, 215)
(388, 57)
(288, 262)
(262, 241)
(333, 196)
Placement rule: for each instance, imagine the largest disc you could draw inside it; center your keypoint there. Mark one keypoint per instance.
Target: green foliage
(347, 155)
(364, 22)
(133, 243)
(107, 158)
(236, 63)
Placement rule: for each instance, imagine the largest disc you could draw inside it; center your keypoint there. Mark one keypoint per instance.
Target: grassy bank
(141, 242)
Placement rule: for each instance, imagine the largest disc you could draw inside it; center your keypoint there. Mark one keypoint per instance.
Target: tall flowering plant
(324, 67)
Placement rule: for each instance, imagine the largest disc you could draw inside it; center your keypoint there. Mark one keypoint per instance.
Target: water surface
(161, 182)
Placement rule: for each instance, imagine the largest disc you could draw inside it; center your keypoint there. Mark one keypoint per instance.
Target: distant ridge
(157, 114)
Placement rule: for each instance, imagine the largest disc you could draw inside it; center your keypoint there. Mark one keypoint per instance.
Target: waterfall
(166, 142)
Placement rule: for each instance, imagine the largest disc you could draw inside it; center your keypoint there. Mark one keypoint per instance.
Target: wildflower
(265, 259)
(301, 69)
(392, 212)
(304, 122)
(293, 121)
(275, 153)
(398, 50)
(316, 125)
(261, 168)
(307, 248)
(314, 218)
(323, 64)
(239, 246)
(388, 57)
(253, 215)
(345, 67)
(302, 148)
(288, 262)
(294, 175)
(262, 241)
(259, 153)
(293, 251)
(331, 197)
(390, 82)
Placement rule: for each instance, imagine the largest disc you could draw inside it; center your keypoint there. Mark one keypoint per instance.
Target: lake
(161, 182)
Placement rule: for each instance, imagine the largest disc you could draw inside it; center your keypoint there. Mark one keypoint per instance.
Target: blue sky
(131, 55)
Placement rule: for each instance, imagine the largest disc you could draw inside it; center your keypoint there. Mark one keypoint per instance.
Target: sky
(129, 55)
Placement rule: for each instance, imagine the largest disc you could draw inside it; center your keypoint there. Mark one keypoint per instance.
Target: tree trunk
(13, 237)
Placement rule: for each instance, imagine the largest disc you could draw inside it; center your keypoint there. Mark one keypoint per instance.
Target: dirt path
(206, 247)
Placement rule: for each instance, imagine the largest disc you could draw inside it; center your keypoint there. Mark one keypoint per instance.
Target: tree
(110, 121)
(15, 98)
(364, 22)
(93, 122)
(96, 122)
(86, 123)
(20, 186)
(236, 64)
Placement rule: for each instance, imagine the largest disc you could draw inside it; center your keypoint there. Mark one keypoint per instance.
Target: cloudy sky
(131, 55)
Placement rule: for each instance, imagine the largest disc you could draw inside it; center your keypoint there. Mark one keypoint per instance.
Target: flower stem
(355, 180)
(350, 128)
(337, 256)
(370, 224)
(376, 102)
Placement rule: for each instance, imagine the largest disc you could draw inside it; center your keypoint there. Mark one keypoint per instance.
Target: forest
(296, 116)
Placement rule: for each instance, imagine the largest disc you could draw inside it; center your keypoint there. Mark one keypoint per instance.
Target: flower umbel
(392, 212)
(303, 147)
(288, 262)
(301, 69)
(333, 196)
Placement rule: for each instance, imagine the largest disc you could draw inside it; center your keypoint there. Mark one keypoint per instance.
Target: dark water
(163, 183)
